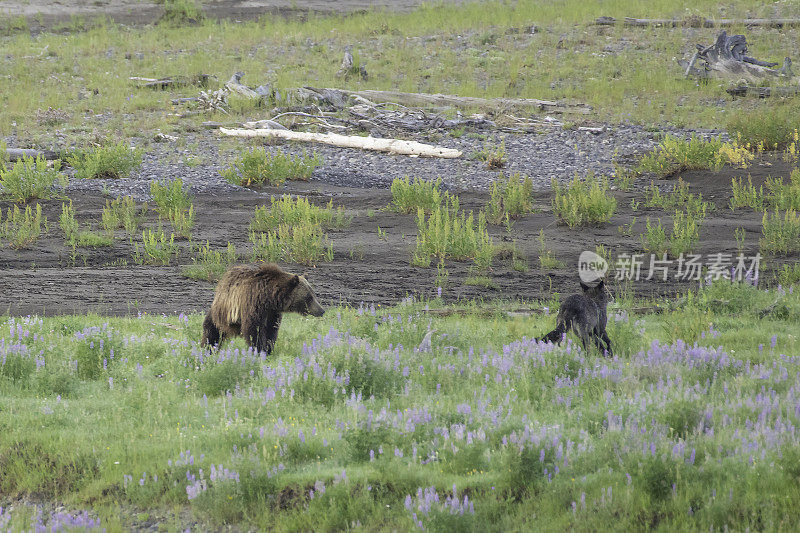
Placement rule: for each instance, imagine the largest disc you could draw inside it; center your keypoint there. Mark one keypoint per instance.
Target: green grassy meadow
(393, 419)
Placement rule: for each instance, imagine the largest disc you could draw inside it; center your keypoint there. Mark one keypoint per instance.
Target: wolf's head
(596, 292)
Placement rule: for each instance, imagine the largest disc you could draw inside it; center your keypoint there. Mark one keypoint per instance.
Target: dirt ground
(144, 12)
(368, 267)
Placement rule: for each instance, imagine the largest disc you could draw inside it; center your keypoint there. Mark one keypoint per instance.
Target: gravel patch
(558, 153)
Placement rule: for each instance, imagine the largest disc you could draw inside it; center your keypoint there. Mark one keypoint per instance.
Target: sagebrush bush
(259, 166)
(780, 194)
(108, 161)
(580, 203)
(409, 195)
(30, 178)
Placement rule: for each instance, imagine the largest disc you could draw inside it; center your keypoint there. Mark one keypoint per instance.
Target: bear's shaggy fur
(250, 302)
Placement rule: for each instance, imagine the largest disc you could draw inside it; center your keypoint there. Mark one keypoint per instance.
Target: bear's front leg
(211, 334)
(268, 333)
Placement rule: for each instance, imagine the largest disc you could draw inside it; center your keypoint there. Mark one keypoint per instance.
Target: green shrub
(447, 234)
(181, 12)
(174, 203)
(73, 235)
(285, 210)
(510, 198)
(30, 178)
(304, 243)
(779, 195)
(122, 212)
(223, 377)
(581, 203)
(684, 238)
(408, 195)
(155, 248)
(675, 155)
(547, 258)
(494, 156)
(678, 198)
(258, 166)
(789, 275)
(170, 196)
(210, 264)
(781, 234)
(109, 161)
(22, 228)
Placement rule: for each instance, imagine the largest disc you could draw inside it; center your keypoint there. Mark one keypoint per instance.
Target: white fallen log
(392, 146)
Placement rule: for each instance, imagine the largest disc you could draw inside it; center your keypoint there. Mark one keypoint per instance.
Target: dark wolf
(250, 301)
(585, 314)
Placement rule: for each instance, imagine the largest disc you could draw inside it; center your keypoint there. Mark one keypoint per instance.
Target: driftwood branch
(394, 146)
(446, 100)
(200, 80)
(700, 22)
(763, 92)
(728, 58)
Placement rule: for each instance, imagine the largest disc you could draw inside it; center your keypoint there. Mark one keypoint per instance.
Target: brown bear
(250, 302)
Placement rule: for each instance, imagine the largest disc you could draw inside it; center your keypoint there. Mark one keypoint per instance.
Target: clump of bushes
(285, 210)
(510, 198)
(447, 234)
(583, 203)
(108, 161)
(30, 178)
(301, 243)
(409, 195)
(22, 227)
(259, 166)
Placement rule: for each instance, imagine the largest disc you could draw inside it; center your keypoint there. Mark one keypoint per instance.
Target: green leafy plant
(30, 178)
(495, 157)
(580, 203)
(510, 198)
(286, 210)
(302, 243)
(409, 195)
(780, 234)
(108, 161)
(209, 264)
(446, 234)
(174, 203)
(547, 258)
(74, 235)
(122, 212)
(155, 248)
(258, 166)
(675, 155)
(22, 227)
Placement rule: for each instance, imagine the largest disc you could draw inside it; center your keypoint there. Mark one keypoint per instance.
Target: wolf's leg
(608, 343)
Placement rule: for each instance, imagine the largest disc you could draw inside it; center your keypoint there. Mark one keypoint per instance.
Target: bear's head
(302, 299)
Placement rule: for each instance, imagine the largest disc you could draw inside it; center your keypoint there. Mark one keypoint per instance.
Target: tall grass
(779, 195)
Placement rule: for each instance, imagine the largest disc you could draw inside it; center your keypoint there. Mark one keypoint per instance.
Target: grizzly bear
(250, 302)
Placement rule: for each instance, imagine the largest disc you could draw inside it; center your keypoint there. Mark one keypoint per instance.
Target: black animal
(585, 314)
(250, 301)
